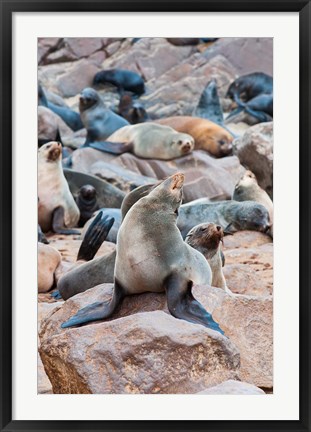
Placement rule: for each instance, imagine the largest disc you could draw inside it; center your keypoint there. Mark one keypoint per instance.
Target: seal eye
(222, 142)
(179, 142)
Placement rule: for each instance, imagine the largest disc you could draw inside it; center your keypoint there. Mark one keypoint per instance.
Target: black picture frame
(8, 7)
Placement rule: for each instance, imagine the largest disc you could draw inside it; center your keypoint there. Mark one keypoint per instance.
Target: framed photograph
(155, 216)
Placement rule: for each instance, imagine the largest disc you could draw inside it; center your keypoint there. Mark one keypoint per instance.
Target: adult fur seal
(57, 209)
(149, 141)
(209, 106)
(260, 107)
(207, 135)
(207, 238)
(99, 121)
(232, 216)
(157, 259)
(70, 117)
(249, 86)
(87, 203)
(121, 78)
(134, 112)
(247, 189)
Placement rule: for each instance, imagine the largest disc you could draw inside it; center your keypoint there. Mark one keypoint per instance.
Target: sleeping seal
(152, 257)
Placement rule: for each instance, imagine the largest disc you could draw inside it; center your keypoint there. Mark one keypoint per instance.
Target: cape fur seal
(247, 189)
(209, 106)
(157, 259)
(249, 86)
(232, 216)
(134, 112)
(207, 238)
(87, 203)
(57, 209)
(207, 135)
(48, 260)
(121, 78)
(148, 141)
(99, 121)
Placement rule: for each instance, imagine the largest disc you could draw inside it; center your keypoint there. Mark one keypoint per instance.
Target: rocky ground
(143, 349)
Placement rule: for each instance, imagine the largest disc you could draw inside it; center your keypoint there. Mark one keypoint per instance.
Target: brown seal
(207, 238)
(207, 135)
(57, 209)
(157, 260)
(148, 141)
(48, 260)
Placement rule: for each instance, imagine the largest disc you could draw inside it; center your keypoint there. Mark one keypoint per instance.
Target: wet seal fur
(99, 121)
(148, 141)
(57, 209)
(232, 216)
(207, 135)
(121, 78)
(157, 260)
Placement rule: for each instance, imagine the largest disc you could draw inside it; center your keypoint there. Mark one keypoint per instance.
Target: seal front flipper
(111, 147)
(95, 236)
(99, 310)
(183, 305)
(58, 222)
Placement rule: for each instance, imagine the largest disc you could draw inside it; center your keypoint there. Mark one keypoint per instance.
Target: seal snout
(177, 180)
(186, 147)
(54, 150)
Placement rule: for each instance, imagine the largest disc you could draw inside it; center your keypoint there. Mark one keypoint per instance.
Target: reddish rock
(246, 320)
(83, 47)
(243, 279)
(246, 239)
(79, 77)
(255, 151)
(49, 124)
(247, 55)
(45, 46)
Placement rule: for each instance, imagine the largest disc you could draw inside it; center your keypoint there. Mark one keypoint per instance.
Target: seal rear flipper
(260, 115)
(56, 295)
(95, 236)
(99, 310)
(183, 305)
(111, 147)
(234, 113)
(58, 222)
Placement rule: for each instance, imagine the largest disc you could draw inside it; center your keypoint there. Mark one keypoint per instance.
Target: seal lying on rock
(149, 141)
(152, 257)
(99, 121)
(123, 79)
(57, 209)
(207, 135)
(247, 189)
(232, 216)
(248, 86)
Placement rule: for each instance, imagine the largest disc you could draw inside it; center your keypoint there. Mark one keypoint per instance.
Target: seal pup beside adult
(207, 238)
(248, 189)
(99, 121)
(148, 141)
(207, 135)
(152, 257)
(121, 78)
(231, 215)
(57, 209)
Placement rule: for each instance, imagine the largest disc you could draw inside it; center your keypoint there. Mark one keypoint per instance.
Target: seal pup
(232, 216)
(121, 78)
(248, 189)
(207, 135)
(48, 260)
(148, 141)
(207, 238)
(248, 86)
(57, 209)
(87, 203)
(99, 121)
(157, 260)
(209, 106)
(133, 112)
